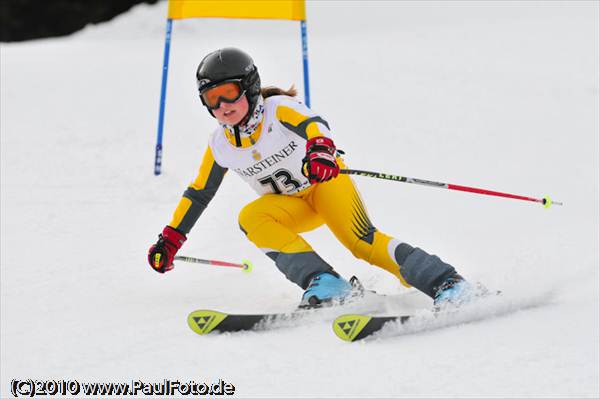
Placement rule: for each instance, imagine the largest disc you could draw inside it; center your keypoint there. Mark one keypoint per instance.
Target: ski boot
(456, 291)
(325, 288)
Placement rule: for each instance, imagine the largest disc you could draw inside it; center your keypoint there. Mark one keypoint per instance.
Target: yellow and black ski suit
(268, 156)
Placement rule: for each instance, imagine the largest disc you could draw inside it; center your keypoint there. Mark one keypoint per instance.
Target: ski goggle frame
(228, 91)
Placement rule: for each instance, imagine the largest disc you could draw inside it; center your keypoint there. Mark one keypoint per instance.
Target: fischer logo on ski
(204, 321)
(354, 327)
(348, 327)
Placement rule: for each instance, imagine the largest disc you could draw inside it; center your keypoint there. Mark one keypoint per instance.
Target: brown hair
(276, 91)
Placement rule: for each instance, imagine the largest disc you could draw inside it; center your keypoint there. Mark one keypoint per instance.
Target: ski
(354, 327)
(205, 321)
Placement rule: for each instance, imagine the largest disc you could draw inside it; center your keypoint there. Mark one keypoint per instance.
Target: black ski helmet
(229, 63)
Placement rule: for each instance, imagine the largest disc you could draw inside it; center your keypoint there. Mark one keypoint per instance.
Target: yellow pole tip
(248, 266)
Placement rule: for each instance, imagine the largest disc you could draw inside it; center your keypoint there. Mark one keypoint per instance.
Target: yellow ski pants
(274, 223)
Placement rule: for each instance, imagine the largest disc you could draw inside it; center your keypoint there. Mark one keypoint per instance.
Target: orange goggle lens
(228, 92)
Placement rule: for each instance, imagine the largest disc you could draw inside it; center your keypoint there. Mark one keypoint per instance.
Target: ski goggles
(228, 91)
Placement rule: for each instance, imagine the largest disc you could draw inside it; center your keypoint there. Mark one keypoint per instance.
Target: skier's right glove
(161, 254)
(319, 164)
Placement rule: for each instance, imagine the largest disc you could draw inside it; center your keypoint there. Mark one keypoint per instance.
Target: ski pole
(246, 266)
(546, 201)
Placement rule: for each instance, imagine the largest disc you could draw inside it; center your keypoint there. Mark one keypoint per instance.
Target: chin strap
(238, 139)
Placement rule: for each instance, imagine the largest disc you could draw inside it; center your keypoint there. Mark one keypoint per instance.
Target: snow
(498, 95)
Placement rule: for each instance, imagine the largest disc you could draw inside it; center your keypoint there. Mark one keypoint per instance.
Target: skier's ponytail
(276, 91)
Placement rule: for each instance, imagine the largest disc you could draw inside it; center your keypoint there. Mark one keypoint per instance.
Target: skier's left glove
(161, 254)
(319, 164)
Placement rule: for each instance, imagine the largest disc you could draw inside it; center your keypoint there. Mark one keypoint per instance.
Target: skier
(285, 151)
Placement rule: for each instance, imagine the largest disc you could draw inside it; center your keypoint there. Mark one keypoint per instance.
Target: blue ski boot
(324, 288)
(456, 291)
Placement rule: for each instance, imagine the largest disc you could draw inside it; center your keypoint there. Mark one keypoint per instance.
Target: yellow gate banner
(257, 9)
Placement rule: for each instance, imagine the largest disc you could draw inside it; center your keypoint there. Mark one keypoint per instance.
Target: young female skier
(285, 151)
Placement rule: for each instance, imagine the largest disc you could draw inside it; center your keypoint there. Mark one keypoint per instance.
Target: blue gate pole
(163, 94)
(305, 62)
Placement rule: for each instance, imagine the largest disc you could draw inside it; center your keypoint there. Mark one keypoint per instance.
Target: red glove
(319, 163)
(161, 254)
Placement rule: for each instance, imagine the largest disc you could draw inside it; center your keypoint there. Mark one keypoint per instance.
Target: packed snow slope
(499, 95)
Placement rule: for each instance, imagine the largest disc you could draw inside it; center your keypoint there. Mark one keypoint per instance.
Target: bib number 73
(281, 181)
